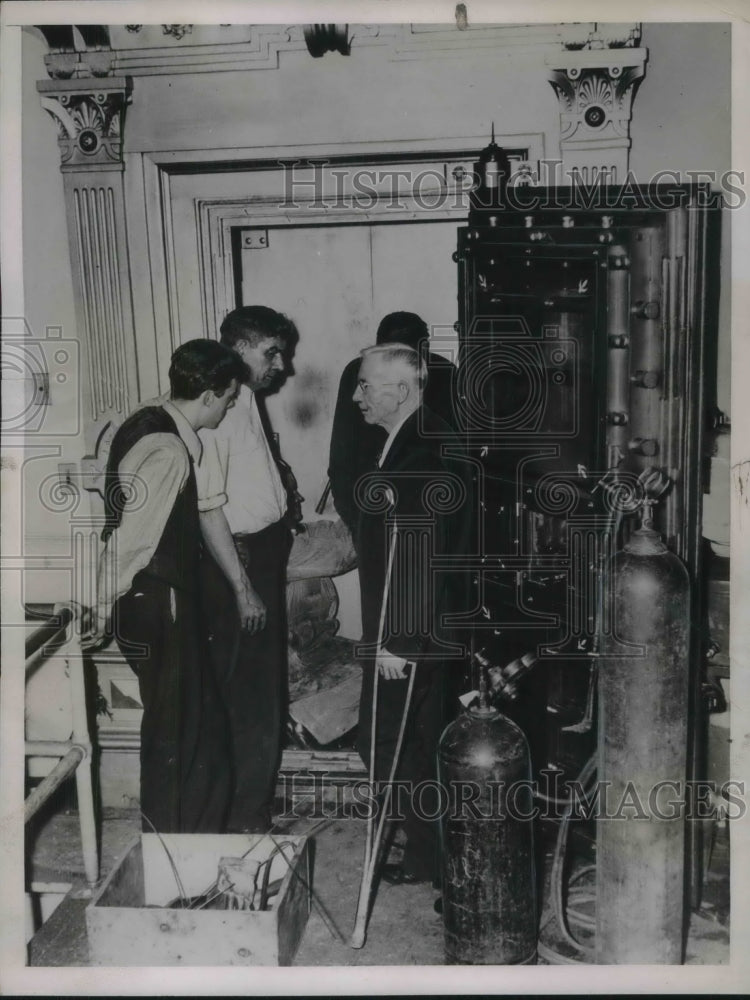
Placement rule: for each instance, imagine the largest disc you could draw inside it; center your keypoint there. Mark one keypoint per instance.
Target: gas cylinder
(488, 872)
(642, 756)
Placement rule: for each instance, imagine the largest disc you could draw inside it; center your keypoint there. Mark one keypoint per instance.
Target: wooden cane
(371, 848)
(360, 925)
(360, 922)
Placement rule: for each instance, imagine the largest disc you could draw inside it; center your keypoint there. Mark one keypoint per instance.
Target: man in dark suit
(355, 443)
(416, 504)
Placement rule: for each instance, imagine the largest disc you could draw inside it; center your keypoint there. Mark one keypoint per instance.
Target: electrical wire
(211, 893)
(317, 902)
(180, 887)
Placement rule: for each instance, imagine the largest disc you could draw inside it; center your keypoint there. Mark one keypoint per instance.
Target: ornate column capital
(89, 116)
(595, 90)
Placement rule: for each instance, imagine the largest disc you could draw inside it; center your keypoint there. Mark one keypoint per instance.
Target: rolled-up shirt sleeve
(153, 473)
(211, 472)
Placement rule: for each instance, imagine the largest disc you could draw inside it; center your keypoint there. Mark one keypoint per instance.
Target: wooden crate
(128, 923)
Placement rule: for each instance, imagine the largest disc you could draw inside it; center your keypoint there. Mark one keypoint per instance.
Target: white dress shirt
(156, 468)
(238, 471)
(390, 439)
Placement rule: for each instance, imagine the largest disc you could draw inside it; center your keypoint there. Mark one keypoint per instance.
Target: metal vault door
(587, 335)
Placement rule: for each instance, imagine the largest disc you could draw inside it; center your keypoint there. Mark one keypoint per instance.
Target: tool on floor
(372, 844)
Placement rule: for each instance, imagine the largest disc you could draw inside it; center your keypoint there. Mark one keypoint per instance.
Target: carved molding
(424, 40)
(177, 31)
(77, 50)
(209, 49)
(89, 120)
(156, 49)
(595, 90)
(609, 35)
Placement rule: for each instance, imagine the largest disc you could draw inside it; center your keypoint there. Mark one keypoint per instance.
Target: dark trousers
(185, 767)
(252, 672)
(418, 763)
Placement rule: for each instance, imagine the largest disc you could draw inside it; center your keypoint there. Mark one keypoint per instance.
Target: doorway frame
(217, 218)
(154, 256)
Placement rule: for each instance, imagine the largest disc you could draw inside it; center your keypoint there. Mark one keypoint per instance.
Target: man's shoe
(397, 875)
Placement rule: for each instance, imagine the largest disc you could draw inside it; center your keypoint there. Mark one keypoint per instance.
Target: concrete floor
(403, 928)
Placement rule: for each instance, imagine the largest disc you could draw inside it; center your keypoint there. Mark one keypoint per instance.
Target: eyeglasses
(364, 386)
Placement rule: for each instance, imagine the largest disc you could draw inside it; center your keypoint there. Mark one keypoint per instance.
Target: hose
(570, 916)
(558, 865)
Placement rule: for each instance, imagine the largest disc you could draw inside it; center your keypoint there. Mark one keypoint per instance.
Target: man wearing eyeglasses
(415, 507)
(355, 444)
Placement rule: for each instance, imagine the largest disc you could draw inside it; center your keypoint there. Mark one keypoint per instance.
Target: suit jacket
(355, 444)
(430, 497)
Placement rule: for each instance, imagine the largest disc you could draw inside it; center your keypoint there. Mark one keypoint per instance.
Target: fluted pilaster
(89, 115)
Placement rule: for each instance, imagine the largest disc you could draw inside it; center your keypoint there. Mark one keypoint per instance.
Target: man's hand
(391, 667)
(218, 539)
(252, 610)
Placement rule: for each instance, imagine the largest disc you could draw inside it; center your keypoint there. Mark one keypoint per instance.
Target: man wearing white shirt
(243, 505)
(149, 586)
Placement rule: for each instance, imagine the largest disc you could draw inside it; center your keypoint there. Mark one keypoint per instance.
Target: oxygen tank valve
(484, 707)
(647, 514)
(503, 681)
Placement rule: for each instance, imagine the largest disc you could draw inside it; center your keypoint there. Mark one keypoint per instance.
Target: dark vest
(177, 556)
